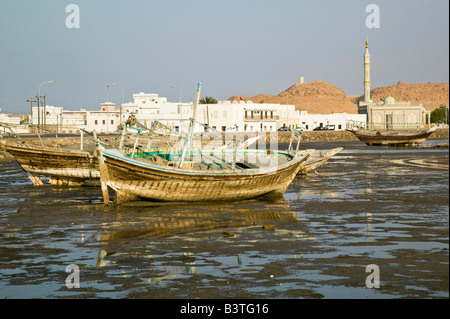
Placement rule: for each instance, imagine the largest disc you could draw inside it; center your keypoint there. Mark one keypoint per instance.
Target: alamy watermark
(73, 280)
(373, 280)
(373, 19)
(73, 19)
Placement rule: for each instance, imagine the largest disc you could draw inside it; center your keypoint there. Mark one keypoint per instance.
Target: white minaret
(367, 73)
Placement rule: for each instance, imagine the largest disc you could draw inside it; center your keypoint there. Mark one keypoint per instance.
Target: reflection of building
(389, 114)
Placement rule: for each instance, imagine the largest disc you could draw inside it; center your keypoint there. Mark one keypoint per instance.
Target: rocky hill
(431, 95)
(315, 97)
(324, 98)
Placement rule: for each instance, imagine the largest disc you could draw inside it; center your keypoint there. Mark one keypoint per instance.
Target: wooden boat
(188, 175)
(316, 159)
(203, 175)
(62, 167)
(392, 137)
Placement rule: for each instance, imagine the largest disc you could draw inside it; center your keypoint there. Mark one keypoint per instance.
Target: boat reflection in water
(167, 220)
(149, 241)
(178, 232)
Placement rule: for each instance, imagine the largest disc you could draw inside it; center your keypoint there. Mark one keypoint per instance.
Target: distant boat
(392, 137)
(157, 176)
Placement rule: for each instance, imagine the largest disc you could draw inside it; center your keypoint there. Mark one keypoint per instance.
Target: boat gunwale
(48, 151)
(118, 159)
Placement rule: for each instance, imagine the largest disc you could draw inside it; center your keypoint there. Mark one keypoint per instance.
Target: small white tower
(367, 73)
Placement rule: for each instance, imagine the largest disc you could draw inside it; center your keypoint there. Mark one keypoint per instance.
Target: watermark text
(73, 19)
(373, 280)
(373, 19)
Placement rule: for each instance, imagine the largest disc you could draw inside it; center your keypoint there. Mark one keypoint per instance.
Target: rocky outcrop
(431, 95)
(320, 97)
(317, 97)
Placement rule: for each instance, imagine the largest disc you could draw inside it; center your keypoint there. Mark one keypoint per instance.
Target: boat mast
(188, 141)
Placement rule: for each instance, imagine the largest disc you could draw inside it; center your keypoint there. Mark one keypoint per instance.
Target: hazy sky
(244, 47)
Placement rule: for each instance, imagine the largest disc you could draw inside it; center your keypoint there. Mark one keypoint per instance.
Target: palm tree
(208, 100)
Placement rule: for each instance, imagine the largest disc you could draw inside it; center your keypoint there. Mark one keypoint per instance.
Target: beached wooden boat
(316, 159)
(193, 175)
(62, 167)
(161, 175)
(392, 137)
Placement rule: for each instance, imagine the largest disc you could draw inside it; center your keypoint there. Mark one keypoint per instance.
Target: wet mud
(365, 206)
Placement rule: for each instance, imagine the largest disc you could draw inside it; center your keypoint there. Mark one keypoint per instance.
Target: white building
(50, 115)
(389, 114)
(223, 116)
(13, 121)
(104, 121)
(260, 117)
(148, 107)
(9, 119)
(338, 121)
(54, 118)
(247, 116)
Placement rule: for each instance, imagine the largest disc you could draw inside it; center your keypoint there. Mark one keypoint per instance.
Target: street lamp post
(181, 93)
(39, 102)
(30, 119)
(121, 88)
(107, 92)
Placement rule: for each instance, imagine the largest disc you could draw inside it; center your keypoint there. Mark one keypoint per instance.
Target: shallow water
(364, 206)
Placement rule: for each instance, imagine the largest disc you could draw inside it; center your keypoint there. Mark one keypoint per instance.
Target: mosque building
(390, 114)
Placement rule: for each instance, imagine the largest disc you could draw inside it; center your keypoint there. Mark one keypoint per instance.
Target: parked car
(284, 128)
(325, 128)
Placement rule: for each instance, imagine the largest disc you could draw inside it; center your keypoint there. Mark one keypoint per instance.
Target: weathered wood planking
(132, 179)
(62, 167)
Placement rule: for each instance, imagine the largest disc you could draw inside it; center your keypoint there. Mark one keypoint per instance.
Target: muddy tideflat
(365, 206)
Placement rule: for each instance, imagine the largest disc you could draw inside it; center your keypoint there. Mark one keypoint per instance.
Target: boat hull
(317, 159)
(134, 180)
(392, 138)
(61, 167)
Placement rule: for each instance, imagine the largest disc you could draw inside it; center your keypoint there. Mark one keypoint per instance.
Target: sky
(234, 47)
